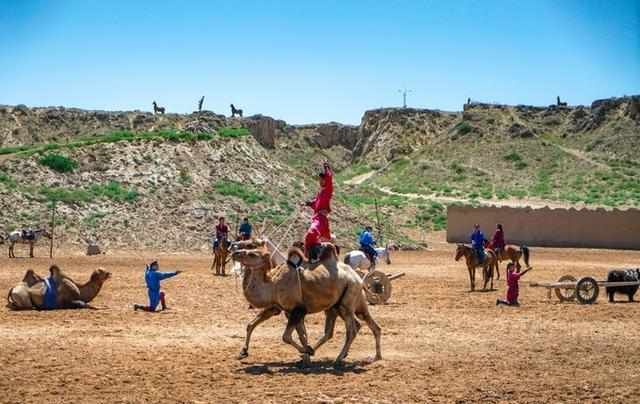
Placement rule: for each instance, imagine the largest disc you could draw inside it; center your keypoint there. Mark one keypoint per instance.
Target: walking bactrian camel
(29, 294)
(327, 286)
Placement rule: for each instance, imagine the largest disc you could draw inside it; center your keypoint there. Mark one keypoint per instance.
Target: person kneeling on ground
(513, 289)
(153, 277)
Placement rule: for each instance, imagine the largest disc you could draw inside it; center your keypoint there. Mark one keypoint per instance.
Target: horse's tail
(525, 254)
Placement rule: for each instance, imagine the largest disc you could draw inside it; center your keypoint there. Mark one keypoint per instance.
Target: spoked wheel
(566, 295)
(378, 287)
(587, 290)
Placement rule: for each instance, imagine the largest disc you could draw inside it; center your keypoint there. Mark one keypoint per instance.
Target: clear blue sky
(315, 61)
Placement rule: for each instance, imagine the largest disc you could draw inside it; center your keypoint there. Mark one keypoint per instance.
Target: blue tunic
(50, 301)
(366, 239)
(153, 278)
(245, 228)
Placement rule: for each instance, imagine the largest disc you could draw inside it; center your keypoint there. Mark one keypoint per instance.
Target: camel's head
(254, 259)
(100, 276)
(459, 251)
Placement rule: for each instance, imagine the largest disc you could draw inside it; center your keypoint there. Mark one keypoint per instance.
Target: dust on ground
(441, 343)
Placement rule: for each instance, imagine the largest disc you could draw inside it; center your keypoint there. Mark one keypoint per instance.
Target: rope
(293, 222)
(293, 215)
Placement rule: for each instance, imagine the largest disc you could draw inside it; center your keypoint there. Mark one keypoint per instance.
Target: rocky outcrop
(327, 135)
(387, 132)
(23, 125)
(265, 129)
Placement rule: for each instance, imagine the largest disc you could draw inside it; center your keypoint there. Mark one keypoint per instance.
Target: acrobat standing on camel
(319, 230)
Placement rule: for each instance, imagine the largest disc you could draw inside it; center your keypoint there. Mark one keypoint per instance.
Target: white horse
(358, 260)
(22, 237)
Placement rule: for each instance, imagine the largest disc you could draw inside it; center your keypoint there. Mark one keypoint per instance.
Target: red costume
(321, 206)
(497, 242)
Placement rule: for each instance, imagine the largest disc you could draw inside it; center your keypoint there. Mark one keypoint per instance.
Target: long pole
(53, 226)
(380, 237)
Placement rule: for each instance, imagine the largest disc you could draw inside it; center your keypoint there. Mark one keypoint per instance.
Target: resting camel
(327, 286)
(29, 294)
(24, 237)
(490, 262)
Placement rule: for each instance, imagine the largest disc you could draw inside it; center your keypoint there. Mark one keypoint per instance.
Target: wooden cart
(584, 290)
(378, 285)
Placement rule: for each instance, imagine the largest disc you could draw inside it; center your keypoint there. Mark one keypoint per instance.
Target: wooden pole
(53, 226)
(380, 237)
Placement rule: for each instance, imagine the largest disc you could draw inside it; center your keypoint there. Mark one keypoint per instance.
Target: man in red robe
(319, 230)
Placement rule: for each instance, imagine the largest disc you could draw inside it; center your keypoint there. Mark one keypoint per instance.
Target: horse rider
(222, 233)
(245, 230)
(477, 242)
(319, 230)
(497, 241)
(367, 243)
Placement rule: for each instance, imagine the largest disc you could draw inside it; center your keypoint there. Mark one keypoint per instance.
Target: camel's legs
(375, 329)
(30, 250)
(295, 318)
(263, 316)
(352, 327)
(329, 325)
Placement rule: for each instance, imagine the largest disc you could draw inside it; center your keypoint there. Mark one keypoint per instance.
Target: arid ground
(440, 342)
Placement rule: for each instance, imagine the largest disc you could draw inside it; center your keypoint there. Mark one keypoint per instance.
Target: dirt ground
(440, 342)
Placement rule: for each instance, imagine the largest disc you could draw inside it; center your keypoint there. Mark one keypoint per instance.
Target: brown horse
(490, 262)
(30, 237)
(513, 253)
(221, 252)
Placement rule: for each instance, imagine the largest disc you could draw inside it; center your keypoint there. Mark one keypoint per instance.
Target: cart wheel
(378, 287)
(566, 295)
(587, 290)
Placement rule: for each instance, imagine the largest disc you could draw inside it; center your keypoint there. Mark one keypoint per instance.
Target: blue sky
(315, 61)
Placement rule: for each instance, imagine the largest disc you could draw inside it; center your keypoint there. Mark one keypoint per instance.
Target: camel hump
(296, 256)
(328, 252)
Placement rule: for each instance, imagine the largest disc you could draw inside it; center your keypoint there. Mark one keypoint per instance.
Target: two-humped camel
(327, 286)
(30, 293)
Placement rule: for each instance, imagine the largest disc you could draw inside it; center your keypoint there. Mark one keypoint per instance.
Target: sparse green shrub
(233, 132)
(70, 196)
(58, 162)
(93, 218)
(463, 127)
(114, 191)
(513, 157)
(242, 191)
(457, 168)
(184, 178)
(7, 180)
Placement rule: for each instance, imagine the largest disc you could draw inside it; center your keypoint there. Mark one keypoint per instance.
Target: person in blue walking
(367, 243)
(477, 242)
(153, 277)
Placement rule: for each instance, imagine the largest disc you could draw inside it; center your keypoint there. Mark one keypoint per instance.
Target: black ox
(623, 275)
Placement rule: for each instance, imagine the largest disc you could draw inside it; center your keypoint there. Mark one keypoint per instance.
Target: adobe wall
(545, 227)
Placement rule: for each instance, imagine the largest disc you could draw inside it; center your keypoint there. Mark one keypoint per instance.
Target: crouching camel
(32, 292)
(328, 286)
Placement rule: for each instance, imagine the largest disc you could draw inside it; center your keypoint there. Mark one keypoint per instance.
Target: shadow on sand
(316, 367)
